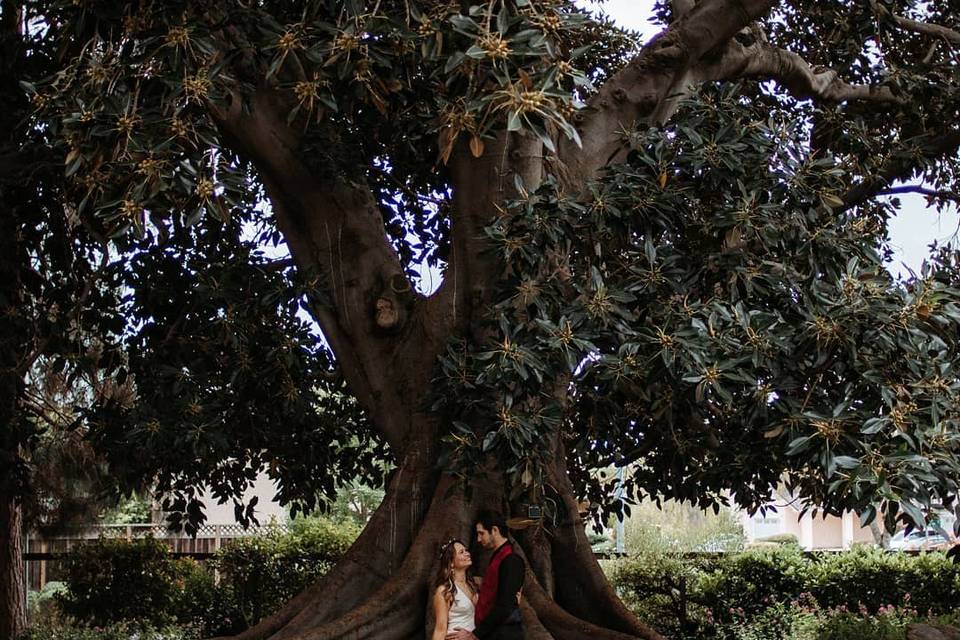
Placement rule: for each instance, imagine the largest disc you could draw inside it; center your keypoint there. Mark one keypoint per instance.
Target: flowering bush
(804, 619)
(783, 593)
(874, 578)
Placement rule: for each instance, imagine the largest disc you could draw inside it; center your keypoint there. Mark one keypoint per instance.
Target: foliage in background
(120, 580)
(117, 631)
(678, 526)
(807, 620)
(132, 509)
(356, 502)
(262, 573)
(110, 580)
(696, 594)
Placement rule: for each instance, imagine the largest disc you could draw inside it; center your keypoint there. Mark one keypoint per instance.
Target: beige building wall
(827, 532)
(862, 535)
(791, 522)
(267, 511)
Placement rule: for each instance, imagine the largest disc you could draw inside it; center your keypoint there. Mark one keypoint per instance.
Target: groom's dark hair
(490, 519)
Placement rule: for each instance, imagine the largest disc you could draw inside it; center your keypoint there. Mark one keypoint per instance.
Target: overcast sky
(913, 229)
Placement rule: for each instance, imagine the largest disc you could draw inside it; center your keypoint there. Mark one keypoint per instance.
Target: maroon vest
(491, 579)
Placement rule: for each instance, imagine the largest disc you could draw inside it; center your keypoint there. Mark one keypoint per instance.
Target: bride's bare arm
(440, 614)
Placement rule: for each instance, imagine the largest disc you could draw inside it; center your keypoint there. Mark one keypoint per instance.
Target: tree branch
(926, 28)
(336, 237)
(646, 87)
(931, 194)
(901, 167)
(796, 75)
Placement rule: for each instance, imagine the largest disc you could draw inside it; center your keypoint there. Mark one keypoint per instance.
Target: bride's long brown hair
(445, 573)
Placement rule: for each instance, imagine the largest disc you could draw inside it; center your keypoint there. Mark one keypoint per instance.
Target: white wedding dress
(461, 613)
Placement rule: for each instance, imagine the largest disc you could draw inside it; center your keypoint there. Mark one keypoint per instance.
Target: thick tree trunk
(13, 340)
(381, 588)
(13, 617)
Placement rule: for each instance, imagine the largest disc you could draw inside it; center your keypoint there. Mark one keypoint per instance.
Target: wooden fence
(43, 555)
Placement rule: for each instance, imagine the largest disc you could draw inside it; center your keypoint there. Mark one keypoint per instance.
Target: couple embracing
(466, 608)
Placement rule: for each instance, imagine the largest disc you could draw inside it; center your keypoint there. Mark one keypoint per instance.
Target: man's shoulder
(513, 558)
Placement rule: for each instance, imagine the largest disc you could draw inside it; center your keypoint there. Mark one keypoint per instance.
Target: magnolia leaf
(476, 146)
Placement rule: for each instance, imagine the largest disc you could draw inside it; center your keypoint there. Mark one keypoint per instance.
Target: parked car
(919, 539)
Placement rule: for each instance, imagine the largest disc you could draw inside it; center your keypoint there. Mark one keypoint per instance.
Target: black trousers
(511, 629)
(509, 632)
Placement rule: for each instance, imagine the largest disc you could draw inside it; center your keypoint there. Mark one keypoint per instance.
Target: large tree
(668, 255)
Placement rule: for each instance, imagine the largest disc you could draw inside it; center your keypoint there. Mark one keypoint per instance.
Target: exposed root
(369, 562)
(370, 594)
(587, 592)
(532, 627)
(537, 546)
(394, 611)
(565, 626)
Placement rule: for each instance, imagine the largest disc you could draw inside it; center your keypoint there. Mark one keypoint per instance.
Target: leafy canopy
(713, 309)
(712, 314)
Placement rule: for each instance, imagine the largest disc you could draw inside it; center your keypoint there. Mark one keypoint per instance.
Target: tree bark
(13, 616)
(382, 592)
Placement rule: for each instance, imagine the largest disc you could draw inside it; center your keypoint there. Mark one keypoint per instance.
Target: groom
(498, 612)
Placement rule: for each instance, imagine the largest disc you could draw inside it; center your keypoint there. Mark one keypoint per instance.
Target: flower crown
(443, 548)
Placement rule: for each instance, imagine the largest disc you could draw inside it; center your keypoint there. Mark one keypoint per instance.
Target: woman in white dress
(455, 591)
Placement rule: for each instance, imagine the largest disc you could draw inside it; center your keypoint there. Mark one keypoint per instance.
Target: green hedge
(263, 573)
(117, 631)
(704, 593)
(111, 581)
(928, 582)
(749, 582)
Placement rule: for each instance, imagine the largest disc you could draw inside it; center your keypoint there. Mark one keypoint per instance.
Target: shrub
(780, 538)
(928, 582)
(40, 603)
(732, 596)
(110, 580)
(781, 621)
(118, 631)
(114, 580)
(886, 624)
(261, 574)
(748, 582)
(657, 587)
(198, 600)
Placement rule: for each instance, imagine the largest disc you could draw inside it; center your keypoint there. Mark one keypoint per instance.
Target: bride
(455, 593)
